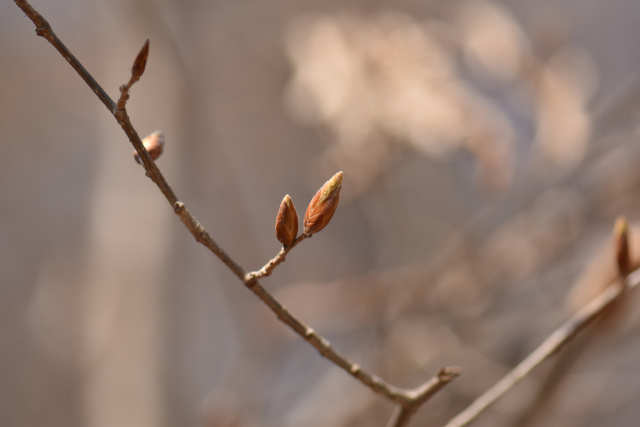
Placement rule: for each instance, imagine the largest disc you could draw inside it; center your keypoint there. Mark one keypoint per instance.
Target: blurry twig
(550, 346)
(568, 358)
(409, 400)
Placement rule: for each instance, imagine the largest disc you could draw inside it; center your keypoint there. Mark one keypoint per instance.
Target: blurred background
(487, 148)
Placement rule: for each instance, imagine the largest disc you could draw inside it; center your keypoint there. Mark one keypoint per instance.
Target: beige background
(110, 312)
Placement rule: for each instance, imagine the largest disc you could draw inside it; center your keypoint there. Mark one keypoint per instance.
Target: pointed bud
(323, 205)
(141, 61)
(154, 144)
(287, 222)
(621, 241)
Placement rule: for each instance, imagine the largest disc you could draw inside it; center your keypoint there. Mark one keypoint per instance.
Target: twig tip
(323, 205)
(141, 61)
(449, 372)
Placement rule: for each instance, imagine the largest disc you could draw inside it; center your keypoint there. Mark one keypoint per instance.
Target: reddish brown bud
(154, 144)
(323, 205)
(287, 222)
(141, 61)
(621, 242)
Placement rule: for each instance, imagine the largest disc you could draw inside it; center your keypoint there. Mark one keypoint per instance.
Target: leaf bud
(323, 205)
(141, 61)
(154, 144)
(287, 222)
(621, 242)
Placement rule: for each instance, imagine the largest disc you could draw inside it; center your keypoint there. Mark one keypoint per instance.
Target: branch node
(309, 333)
(324, 342)
(178, 207)
(41, 31)
(354, 369)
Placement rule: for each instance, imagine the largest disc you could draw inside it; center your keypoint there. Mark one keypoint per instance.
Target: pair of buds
(319, 212)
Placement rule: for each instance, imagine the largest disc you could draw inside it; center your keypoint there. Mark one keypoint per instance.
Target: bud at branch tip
(621, 242)
(141, 61)
(323, 205)
(287, 222)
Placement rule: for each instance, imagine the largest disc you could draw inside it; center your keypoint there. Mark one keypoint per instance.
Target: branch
(417, 397)
(43, 29)
(271, 265)
(550, 346)
(410, 400)
(136, 72)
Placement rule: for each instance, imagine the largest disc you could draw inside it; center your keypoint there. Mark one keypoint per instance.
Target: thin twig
(550, 346)
(271, 265)
(136, 72)
(418, 396)
(43, 29)
(405, 398)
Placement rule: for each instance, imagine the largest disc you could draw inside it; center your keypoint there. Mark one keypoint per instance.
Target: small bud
(141, 61)
(154, 144)
(621, 241)
(323, 205)
(287, 222)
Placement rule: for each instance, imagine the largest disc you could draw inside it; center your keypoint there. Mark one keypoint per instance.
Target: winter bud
(323, 205)
(141, 61)
(621, 242)
(287, 222)
(154, 144)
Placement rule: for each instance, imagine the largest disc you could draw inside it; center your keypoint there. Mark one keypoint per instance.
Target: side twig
(409, 400)
(271, 265)
(136, 72)
(418, 396)
(550, 346)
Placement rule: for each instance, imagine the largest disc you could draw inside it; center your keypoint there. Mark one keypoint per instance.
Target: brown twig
(418, 396)
(136, 72)
(43, 29)
(550, 346)
(409, 400)
(271, 265)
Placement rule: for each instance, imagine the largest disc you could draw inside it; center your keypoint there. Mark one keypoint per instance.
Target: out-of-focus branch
(551, 345)
(409, 400)
(563, 364)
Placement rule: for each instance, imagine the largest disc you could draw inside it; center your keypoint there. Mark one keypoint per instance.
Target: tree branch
(550, 346)
(410, 400)
(271, 265)
(418, 396)
(43, 29)
(136, 72)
